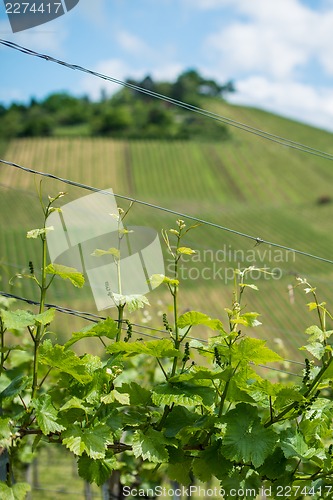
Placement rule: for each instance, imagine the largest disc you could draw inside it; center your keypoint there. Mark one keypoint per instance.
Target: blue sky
(279, 53)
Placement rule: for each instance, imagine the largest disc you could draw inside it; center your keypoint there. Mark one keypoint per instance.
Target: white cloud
(268, 48)
(133, 44)
(277, 40)
(295, 100)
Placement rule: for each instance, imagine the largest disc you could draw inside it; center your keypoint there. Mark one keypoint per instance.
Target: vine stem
(120, 320)
(313, 385)
(40, 327)
(2, 331)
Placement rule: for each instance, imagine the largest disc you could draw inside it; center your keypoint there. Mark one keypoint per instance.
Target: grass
(245, 183)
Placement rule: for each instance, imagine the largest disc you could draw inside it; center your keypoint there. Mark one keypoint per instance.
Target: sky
(279, 53)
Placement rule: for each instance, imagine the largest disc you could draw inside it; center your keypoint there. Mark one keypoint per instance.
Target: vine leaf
(316, 334)
(182, 394)
(132, 302)
(16, 492)
(156, 279)
(66, 273)
(192, 318)
(111, 251)
(17, 386)
(158, 348)
(5, 432)
(317, 349)
(185, 251)
(245, 438)
(96, 471)
(179, 418)
(245, 480)
(35, 233)
(66, 361)
(151, 446)
(255, 351)
(16, 320)
(92, 440)
(247, 319)
(47, 415)
(211, 462)
(179, 466)
(107, 328)
(45, 317)
(274, 465)
(198, 373)
(138, 395)
(293, 445)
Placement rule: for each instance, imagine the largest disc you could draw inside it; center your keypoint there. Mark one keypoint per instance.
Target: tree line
(126, 114)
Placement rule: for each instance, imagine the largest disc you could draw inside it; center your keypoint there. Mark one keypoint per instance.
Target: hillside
(244, 183)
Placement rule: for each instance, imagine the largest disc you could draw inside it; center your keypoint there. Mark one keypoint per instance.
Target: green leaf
(182, 394)
(66, 273)
(293, 445)
(185, 251)
(96, 471)
(163, 348)
(132, 302)
(179, 467)
(64, 360)
(16, 492)
(138, 395)
(210, 462)
(47, 415)
(157, 279)
(247, 319)
(77, 404)
(5, 432)
(287, 395)
(17, 386)
(192, 318)
(46, 317)
(34, 233)
(315, 348)
(246, 439)
(239, 482)
(179, 418)
(91, 440)
(107, 328)
(274, 465)
(151, 446)
(16, 320)
(198, 373)
(243, 285)
(255, 351)
(316, 334)
(111, 251)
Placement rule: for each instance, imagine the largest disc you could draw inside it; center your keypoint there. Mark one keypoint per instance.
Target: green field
(245, 183)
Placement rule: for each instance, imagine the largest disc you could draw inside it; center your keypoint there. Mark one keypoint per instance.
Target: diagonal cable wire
(95, 319)
(257, 239)
(209, 114)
